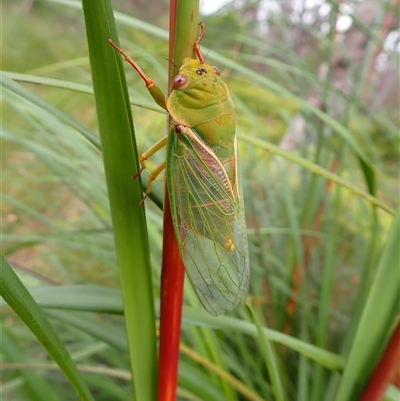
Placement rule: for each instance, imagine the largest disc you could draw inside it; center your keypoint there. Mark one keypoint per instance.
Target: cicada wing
(209, 224)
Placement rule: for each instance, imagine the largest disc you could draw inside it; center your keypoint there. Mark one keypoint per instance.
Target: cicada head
(193, 71)
(198, 94)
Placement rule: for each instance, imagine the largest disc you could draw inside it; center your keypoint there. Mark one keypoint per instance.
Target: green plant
(319, 206)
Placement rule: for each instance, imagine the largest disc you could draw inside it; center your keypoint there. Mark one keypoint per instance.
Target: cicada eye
(179, 81)
(216, 70)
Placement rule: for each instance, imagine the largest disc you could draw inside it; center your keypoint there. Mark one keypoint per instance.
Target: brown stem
(386, 370)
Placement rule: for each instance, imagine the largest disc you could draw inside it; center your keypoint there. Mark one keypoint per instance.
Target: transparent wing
(209, 223)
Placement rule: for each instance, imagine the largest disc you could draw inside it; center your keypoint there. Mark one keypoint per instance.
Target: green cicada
(203, 181)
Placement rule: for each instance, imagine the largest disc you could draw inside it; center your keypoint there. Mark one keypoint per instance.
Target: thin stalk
(386, 370)
(183, 32)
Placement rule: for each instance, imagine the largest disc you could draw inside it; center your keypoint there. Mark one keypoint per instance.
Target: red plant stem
(172, 279)
(385, 371)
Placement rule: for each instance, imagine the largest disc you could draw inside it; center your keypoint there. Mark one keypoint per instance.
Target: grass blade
(120, 161)
(21, 301)
(376, 320)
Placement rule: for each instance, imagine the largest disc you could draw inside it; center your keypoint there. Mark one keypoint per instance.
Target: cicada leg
(142, 160)
(150, 152)
(196, 46)
(154, 174)
(154, 90)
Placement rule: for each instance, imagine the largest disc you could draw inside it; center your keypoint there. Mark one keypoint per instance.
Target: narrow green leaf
(37, 386)
(21, 301)
(101, 330)
(19, 90)
(376, 321)
(57, 83)
(104, 300)
(270, 358)
(120, 161)
(316, 169)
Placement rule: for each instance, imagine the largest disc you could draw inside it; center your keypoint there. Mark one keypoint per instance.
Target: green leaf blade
(22, 302)
(120, 162)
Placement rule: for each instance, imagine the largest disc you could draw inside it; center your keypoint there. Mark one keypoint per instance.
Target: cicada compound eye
(179, 81)
(216, 70)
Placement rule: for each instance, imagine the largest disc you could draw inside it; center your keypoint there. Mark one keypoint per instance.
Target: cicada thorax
(200, 100)
(203, 112)
(220, 136)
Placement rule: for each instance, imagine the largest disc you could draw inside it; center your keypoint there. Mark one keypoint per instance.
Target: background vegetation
(316, 88)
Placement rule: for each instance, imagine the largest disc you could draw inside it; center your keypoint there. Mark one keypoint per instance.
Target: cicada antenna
(208, 52)
(172, 63)
(196, 46)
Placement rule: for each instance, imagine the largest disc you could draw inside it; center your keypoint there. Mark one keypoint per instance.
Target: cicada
(203, 181)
